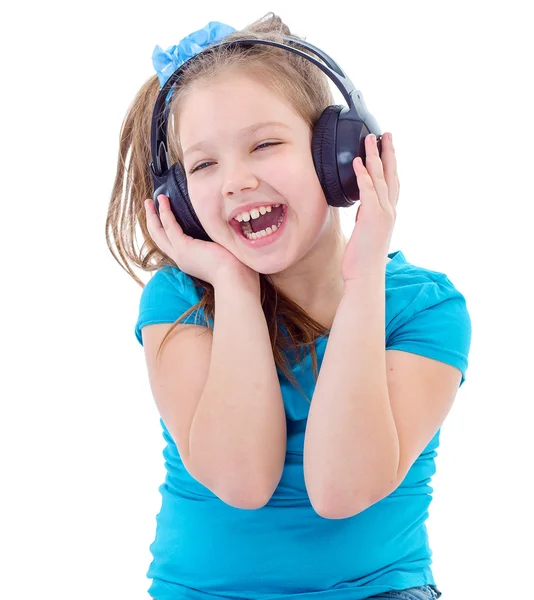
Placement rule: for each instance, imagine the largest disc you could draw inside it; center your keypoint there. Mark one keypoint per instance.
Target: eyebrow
(246, 131)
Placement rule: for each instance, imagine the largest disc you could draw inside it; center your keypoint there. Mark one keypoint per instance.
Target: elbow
(338, 512)
(241, 488)
(335, 506)
(243, 494)
(335, 510)
(246, 497)
(246, 492)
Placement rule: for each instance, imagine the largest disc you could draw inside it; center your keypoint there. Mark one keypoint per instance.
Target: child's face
(234, 171)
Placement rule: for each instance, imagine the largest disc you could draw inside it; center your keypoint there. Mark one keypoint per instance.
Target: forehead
(235, 80)
(227, 104)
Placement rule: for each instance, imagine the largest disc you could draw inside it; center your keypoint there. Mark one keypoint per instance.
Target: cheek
(294, 177)
(206, 209)
(291, 176)
(308, 193)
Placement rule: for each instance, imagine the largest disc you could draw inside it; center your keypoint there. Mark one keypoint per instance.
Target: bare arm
(237, 441)
(351, 445)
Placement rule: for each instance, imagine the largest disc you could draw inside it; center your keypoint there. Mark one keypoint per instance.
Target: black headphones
(338, 138)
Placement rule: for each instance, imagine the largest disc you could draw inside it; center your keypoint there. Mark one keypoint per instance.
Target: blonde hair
(293, 77)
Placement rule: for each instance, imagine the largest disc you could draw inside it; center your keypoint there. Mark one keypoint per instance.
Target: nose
(238, 178)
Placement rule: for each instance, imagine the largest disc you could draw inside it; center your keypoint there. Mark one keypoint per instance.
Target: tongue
(267, 220)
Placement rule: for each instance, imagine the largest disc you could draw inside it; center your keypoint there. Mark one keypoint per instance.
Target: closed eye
(265, 144)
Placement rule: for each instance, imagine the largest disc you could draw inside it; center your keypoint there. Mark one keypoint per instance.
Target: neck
(315, 282)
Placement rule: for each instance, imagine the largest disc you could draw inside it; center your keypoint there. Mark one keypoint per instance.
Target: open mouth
(263, 226)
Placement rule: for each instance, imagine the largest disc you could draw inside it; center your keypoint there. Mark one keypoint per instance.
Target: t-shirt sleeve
(166, 296)
(433, 321)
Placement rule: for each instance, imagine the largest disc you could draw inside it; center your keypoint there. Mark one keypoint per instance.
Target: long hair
(293, 77)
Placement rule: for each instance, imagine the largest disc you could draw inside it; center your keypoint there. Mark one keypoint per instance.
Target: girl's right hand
(205, 260)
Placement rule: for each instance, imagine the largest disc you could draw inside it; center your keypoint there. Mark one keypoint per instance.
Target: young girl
(301, 377)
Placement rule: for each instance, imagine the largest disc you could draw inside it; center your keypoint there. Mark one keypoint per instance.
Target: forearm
(238, 434)
(351, 446)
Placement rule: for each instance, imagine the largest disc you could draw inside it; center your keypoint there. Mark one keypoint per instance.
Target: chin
(271, 268)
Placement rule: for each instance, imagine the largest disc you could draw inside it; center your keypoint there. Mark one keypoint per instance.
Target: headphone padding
(325, 156)
(181, 204)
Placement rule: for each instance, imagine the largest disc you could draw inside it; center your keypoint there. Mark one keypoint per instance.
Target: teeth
(251, 235)
(259, 234)
(254, 213)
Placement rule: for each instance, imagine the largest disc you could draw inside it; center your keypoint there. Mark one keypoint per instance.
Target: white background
(80, 436)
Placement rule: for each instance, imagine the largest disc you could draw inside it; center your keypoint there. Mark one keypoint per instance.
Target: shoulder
(426, 313)
(169, 277)
(165, 297)
(411, 285)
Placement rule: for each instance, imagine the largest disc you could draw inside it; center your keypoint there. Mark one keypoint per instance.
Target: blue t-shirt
(206, 549)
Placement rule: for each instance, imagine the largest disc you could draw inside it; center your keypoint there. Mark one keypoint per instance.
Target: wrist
(366, 276)
(241, 278)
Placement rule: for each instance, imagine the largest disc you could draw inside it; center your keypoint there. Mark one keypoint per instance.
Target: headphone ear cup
(325, 156)
(181, 204)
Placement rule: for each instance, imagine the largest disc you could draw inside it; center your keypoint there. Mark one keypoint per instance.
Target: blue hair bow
(167, 61)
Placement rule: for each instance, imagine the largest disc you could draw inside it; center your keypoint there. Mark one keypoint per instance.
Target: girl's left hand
(379, 187)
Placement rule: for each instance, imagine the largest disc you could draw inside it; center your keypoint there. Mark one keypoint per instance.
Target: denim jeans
(423, 592)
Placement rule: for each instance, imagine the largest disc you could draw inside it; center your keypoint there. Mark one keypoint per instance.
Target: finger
(156, 228)
(173, 230)
(375, 168)
(154, 222)
(365, 182)
(177, 238)
(389, 160)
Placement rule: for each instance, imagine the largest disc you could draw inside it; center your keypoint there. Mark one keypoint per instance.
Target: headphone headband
(356, 110)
